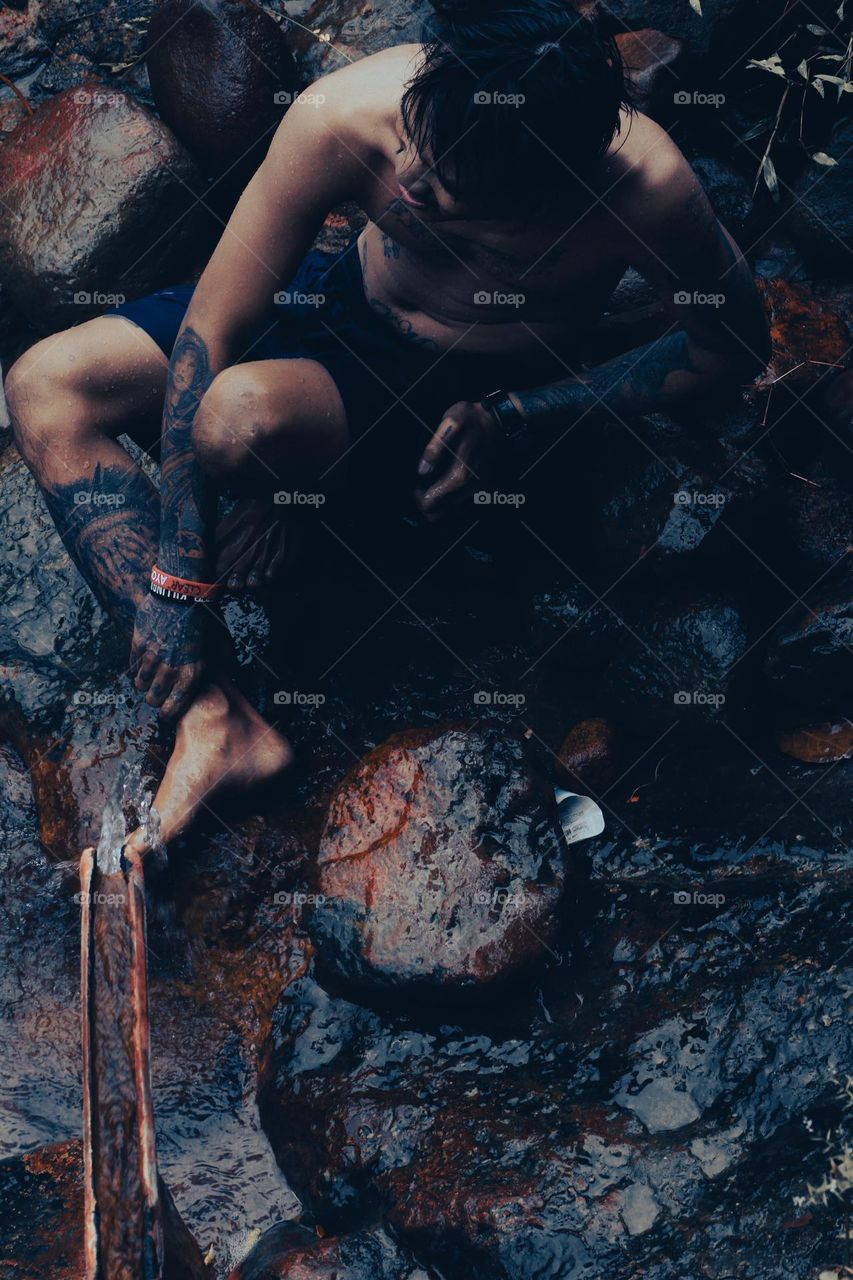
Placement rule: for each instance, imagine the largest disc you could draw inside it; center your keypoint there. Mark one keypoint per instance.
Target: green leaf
(768, 172)
(772, 64)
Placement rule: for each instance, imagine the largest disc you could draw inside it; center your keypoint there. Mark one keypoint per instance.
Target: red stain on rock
(441, 862)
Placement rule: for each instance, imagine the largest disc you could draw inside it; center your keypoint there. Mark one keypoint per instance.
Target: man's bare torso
(486, 286)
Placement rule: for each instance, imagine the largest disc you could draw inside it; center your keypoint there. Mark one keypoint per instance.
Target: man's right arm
(314, 162)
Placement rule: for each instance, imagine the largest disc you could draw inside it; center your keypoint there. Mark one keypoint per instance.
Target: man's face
(421, 191)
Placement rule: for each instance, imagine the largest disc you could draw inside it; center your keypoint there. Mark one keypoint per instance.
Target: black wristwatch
(507, 417)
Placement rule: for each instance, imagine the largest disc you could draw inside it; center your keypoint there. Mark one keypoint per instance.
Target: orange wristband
(181, 589)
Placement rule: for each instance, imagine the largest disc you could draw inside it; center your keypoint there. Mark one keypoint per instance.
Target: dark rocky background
(396, 999)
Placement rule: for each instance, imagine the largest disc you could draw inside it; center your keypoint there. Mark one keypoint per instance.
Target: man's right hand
(168, 657)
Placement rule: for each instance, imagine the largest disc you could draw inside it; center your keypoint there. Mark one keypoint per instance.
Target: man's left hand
(459, 459)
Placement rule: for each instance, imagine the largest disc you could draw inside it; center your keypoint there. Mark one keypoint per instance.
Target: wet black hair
(515, 102)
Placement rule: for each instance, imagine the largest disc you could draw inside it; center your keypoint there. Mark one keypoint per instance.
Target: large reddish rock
(441, 863)
(222, 75)
(808, 336)
(97, 196)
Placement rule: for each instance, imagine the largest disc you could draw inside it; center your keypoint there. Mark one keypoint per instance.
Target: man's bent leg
(69, 396)
(272, 427)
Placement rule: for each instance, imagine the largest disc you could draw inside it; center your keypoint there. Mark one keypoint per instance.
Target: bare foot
(254, 545)
(222, 747)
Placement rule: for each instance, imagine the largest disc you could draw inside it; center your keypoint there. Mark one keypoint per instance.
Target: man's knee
(45, 398)
(237, 415)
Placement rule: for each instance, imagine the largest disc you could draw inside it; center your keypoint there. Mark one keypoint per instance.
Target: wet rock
(42, 1229)
(334, 32)
(22, 48)
(485, 1166)
(108, 35)
(810, 656)
(293, 1253)
(589, 756)
(441, 863)
(807, 334)
(657, 500)
(821, 217)
(729, 192)
(42, 1224)
(573, 629)
(835, 405)
(650, 58)
(679, 666)
(662, 1106)
(97, 194)
(819, 743)
(221, 74)
(718, 20)
(693, 820)
(820, 507)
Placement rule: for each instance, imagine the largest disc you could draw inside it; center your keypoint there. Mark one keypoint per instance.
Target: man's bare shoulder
(366, 94)
(648, 180)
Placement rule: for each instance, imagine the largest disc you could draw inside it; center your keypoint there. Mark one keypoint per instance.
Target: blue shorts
(394, 391)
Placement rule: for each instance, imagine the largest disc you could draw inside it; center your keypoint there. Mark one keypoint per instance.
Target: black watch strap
(506, 415)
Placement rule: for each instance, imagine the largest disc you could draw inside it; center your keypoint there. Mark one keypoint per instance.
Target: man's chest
(546, 259)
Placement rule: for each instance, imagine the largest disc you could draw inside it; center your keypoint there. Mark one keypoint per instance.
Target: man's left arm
(719, 338)
(720, 335)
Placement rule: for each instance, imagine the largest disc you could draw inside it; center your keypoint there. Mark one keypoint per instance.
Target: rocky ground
(399, 1029)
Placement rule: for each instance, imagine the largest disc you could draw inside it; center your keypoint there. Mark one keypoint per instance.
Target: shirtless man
(508, 187)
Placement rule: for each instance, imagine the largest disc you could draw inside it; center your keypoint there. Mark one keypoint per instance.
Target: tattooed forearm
(187, 501)
(638, 382)
(673, 370)
(108, 524)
